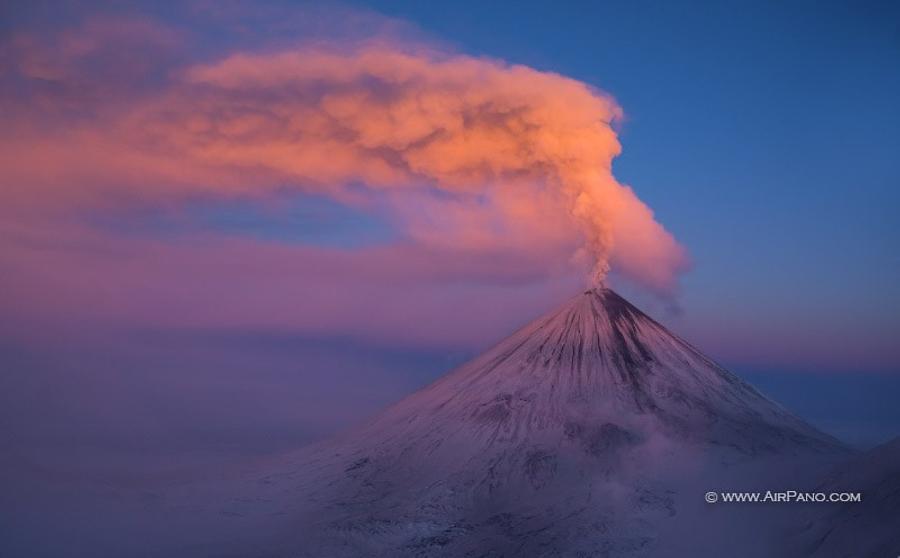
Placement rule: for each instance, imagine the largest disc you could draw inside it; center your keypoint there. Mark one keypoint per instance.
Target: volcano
(592, 431)
(597, 372)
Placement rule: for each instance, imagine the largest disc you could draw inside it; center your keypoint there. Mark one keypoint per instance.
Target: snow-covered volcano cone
(577, 436)
(597, 362)
(569, 436)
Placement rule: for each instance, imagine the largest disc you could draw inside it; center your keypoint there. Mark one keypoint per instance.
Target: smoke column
(489, 150)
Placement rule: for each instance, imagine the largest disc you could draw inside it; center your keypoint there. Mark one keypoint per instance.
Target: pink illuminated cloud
(471, 153)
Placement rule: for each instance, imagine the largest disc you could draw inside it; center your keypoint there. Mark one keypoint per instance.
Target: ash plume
(471, 153)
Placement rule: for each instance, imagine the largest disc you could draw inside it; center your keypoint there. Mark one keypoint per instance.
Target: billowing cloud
(466, 153)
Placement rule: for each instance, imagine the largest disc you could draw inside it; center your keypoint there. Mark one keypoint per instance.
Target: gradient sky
(763, 136)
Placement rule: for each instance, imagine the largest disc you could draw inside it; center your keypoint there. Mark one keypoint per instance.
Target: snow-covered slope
(593, 431)
(597, 368)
